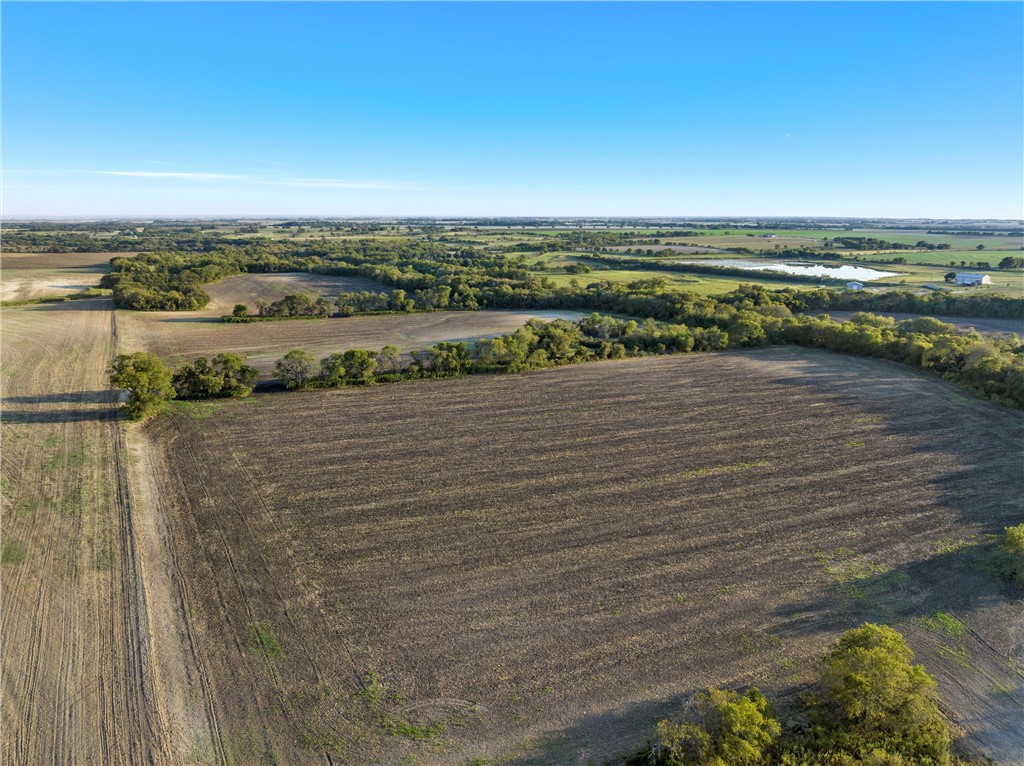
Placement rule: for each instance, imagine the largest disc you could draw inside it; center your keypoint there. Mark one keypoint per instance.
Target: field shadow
(99, 303)
(631, 727)
(1000, 728)
(201, 319)
(624, 724)
(101, 396)
(57, 416)
(918, 589)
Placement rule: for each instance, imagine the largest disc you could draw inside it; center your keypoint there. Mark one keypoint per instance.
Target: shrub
(873, 698)
(295, 369)
(734, 730)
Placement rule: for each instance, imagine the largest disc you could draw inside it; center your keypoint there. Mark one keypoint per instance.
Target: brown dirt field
(986, 326)
(48, 261)
(555, 560)
(42, 275)
(78, 680)
(250, 288)
(179, 337)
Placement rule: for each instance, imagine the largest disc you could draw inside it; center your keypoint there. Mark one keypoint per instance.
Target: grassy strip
(703, 268)
(90, 293)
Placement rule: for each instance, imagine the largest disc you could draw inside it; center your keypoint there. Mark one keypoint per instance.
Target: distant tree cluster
(871, 243)
(870, 707)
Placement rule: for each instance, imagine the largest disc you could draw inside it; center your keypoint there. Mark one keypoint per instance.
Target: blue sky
(861, 109)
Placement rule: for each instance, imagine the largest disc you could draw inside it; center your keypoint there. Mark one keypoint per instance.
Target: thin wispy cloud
(167, 174)
(349, 183)
(309, 183)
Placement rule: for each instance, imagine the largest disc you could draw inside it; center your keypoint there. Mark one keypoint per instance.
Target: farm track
(78, 681)
(569, 553)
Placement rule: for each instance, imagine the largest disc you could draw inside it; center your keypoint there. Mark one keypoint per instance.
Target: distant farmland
(536, 567)
(46, 275)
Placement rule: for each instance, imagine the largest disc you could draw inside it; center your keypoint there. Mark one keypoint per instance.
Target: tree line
(993, 368)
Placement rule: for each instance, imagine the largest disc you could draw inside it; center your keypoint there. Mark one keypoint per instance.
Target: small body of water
(858, 273)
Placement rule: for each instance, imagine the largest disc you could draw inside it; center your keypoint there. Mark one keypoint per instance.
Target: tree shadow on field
(27, 409)
(922, 557)
(958, 580)
(30, 417)
(591, 738)
(99, 303)
(101, 396)
(201, 319)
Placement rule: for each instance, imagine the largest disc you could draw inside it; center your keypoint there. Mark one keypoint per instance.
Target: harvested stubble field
(44, 275)
(535, 568)
(79, 684)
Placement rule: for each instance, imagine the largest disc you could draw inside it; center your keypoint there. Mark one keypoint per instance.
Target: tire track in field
(251, 577)
(78, 679)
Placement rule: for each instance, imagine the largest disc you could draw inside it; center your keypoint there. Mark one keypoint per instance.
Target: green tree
(238, 377)
(733, 730)
(198, 380)
(240, 310)
(360, 365)
(450, 358)
(389, 360)
(873, 697)
(295, 369)
(146, 379)
(332, 370)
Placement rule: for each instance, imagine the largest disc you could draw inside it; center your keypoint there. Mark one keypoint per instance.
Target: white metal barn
(854, 285)
(973, 279)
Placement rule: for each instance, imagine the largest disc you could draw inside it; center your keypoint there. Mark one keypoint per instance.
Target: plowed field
(535, 568)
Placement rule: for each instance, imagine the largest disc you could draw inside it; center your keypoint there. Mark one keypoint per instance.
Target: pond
(858, 273)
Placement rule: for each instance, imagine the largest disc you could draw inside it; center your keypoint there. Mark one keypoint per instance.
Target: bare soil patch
(250, 288)
(535, 568)
(50, 261)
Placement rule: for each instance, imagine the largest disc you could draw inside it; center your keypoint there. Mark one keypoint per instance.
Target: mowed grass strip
(520, 543)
